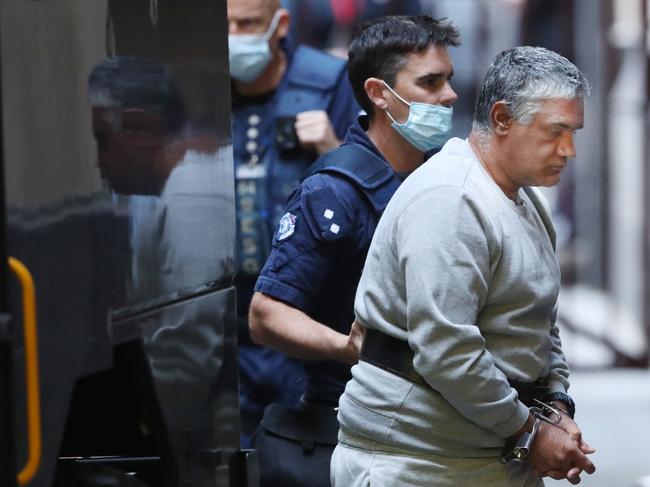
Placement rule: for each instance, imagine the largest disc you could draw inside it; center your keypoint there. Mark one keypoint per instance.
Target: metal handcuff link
(541, 412)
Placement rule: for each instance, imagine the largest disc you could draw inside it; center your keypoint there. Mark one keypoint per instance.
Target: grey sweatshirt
(469, 278)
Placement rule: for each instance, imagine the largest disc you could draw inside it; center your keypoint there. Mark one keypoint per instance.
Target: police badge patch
(287, 226)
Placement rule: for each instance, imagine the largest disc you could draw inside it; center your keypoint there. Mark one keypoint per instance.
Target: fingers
(556, 474)
(570, 426)
(315, 131)
(353, 343)
(582, 461)
(575, 435)
(559, 456)
(573, 475)
(313, 122)
(358, 329)
(586, 448)
(311, 116)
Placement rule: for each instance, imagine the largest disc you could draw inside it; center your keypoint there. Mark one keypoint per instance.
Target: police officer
(400, 70)
(289, 106)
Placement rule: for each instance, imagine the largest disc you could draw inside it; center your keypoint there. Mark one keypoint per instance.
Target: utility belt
(295, 445)
(396, 356)
(306, 425)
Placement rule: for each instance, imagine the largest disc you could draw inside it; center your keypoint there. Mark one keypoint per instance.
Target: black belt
(391, 354)
(528, 391)
(396, 356)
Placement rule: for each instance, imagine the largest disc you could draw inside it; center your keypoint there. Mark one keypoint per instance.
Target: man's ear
(284, 23)
(376, 91)
(500, 118)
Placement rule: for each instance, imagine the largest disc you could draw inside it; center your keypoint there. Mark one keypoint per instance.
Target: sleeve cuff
(282, 292)
(557, 385)
(514, 423)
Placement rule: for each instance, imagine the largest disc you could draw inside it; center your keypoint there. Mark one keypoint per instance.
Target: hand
(570, 426)
(353, 344)
(315, 131)
(555, 454)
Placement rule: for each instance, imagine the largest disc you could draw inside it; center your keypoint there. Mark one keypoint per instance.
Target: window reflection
(170, 176)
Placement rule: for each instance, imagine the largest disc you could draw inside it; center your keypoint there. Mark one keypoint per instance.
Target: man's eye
(248, 24)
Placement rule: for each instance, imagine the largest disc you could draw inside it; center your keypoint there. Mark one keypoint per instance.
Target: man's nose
(567, 148)
(449, 96)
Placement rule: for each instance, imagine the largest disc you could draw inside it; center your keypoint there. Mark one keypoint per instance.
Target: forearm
(289, 330)
(465, 374)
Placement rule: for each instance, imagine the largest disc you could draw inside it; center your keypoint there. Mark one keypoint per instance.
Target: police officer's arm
(282, 327)
(315, 131)
(310, 247)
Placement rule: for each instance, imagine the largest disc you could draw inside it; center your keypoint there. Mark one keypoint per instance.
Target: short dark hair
(380, 46)
(130, 82)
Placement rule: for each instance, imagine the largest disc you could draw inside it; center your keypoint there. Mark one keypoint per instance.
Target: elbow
(257, 319)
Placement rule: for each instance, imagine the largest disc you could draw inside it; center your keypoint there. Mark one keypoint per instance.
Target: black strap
(371, 174)
(357, 162)
(396, 356)
(391, 354)
(529, 391)
(310, 82)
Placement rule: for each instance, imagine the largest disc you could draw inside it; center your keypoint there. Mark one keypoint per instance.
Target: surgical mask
(249, 54)
(427, 126)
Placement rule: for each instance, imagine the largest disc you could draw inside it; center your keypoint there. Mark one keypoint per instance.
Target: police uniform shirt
(266, 176)
(319, 249)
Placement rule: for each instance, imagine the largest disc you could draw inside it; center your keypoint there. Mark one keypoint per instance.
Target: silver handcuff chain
(541, 412)
(546, 412)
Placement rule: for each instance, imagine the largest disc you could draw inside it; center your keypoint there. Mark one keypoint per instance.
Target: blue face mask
(427, 127)
(249, 54)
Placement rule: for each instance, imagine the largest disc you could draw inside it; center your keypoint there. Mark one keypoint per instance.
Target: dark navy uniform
(319, 249)
(268, 165)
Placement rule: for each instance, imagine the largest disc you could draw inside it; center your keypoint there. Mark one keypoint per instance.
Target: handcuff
(541, 412)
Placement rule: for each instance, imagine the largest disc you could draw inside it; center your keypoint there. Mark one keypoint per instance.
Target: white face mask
(250, 54)
(427, 127)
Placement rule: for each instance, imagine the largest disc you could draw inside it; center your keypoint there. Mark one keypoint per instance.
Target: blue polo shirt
(317, 256)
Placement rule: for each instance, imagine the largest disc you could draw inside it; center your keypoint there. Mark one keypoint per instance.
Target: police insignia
(287, 226)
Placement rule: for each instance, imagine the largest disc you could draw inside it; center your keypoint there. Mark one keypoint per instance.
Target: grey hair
(523, 77)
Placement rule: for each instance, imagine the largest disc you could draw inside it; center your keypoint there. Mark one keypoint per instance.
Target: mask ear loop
(391, 117)
(395, 93)
(400, 99)
(274, 25)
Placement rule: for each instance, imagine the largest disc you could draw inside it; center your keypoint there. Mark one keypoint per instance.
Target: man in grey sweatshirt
(459, 295)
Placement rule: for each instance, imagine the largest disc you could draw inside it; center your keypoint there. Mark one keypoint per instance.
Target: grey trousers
(355, 467)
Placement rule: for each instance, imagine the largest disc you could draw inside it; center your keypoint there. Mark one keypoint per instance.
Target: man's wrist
(519, 449)
(344, 351)
(569, 406)
(527, 427)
